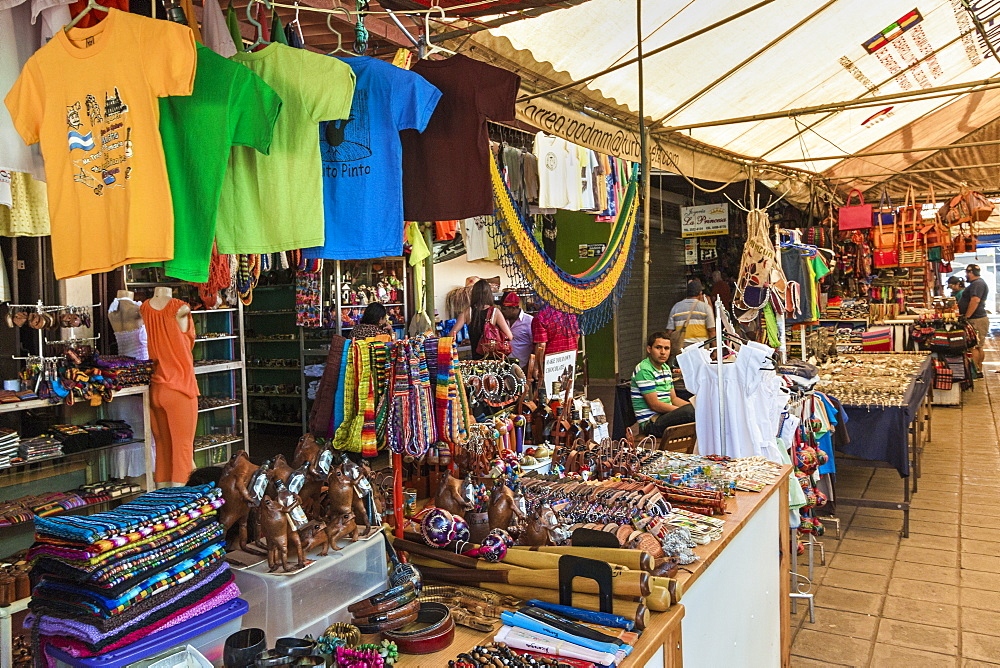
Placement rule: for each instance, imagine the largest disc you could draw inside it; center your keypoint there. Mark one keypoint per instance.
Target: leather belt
(368, 629)
(407, 610)
(432, 631)
(387, 599)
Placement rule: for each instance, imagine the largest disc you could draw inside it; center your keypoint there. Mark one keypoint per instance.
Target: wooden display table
(735, 601)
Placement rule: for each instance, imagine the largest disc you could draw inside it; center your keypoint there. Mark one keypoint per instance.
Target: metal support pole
(644, 145)
(719, 306)
(782, 347)
(428, 270)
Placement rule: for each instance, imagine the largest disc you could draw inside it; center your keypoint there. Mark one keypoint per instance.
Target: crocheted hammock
(591, 295)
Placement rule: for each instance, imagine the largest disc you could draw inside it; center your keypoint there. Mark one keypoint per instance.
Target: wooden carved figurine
(362, 491)
(502, 507)
(277, 531)
(307, 450)
(449, 496)
(233, 483)
(339, 515)
(539, 529)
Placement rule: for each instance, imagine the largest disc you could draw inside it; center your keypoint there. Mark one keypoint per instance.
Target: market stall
(887, 399)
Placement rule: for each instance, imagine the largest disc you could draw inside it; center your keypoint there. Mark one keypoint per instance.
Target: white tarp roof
(778, 65)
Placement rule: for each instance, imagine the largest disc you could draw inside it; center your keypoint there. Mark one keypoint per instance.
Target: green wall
(575, 228)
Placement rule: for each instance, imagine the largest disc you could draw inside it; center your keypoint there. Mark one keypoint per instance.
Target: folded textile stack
(41, 446)
(9, 446)
(107, 580)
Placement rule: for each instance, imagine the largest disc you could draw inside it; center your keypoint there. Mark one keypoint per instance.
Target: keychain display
(497, 383)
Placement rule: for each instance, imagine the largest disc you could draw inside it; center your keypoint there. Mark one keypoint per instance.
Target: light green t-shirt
(274, 202)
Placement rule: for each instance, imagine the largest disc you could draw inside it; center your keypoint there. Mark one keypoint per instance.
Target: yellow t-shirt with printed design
(90, 97)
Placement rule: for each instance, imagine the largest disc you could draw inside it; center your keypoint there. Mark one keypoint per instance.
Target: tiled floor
(932, 599)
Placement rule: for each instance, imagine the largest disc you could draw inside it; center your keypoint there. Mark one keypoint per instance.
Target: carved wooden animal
(313, 535)
(449, 496)
(233, 483)
(311, 492)
(289, 501)
(279, 470)
(502, 507)
(277, 531)
(306, 450)
(539, 529)
(338, 509)
(356, 474)
(343, 526)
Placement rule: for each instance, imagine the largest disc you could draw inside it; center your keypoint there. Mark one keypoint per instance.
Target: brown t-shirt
(446, 168)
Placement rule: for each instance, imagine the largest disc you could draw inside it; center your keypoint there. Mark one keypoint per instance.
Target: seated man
(654, 400)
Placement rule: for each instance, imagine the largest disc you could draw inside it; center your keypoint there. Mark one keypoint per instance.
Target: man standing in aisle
(654, 399)
(693, 317)
(520, 326)
(972, 304)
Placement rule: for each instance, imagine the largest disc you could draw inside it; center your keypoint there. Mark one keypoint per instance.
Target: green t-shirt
(647, 378)
(230, 106)
(274, 202)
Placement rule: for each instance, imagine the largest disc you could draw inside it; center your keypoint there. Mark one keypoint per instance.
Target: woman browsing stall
(483, 316)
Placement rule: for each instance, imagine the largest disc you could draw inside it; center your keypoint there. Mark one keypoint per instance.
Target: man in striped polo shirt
(654, 400)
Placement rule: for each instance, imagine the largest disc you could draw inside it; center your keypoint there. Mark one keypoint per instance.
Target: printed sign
(706, 220)
(592, 250)
(691, 252)
(560, 369)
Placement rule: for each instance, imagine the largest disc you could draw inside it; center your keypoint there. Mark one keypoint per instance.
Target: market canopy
(779, 55)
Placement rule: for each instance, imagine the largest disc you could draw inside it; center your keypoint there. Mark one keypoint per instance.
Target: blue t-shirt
(363, 161)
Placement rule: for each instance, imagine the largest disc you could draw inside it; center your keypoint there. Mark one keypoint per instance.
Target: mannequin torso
(123, 313)
(161, 297)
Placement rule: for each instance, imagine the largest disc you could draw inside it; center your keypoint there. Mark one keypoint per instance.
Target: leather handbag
(493, 343)
(885, 252)
(912, 252)
(886, 212)
(857, 216)
(965, 242)
(965, 207)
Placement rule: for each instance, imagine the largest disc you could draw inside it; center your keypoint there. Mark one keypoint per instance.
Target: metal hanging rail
(872, 154)
(926, 93)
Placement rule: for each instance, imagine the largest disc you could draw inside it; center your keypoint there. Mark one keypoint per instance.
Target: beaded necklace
(247, 276)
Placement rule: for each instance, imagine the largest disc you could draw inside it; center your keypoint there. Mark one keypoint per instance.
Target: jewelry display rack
(40, 307)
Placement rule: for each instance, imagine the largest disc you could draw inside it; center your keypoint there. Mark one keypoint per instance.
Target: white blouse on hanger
(752, 402)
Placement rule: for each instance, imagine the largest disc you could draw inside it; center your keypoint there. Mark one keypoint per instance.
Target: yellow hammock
(594, 290)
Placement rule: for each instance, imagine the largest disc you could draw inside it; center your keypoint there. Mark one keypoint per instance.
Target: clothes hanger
(91, 4)
(260, 29)
(298, 24)
(340, 38)
(426, 47)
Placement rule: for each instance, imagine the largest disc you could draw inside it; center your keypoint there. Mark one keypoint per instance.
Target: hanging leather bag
(885, 252)
(857, 216)
(885, 214)
(493, 343)
(966, 207)
(911, 248)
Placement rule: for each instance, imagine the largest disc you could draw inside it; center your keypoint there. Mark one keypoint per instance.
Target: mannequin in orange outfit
(174, 389)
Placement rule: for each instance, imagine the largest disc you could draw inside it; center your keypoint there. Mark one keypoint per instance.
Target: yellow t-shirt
(90, 97)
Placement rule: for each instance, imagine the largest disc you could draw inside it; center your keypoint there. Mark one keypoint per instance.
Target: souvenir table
(888, 410)
(743, 568)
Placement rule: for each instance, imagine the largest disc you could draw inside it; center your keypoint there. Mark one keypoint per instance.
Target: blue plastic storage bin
(188, 632)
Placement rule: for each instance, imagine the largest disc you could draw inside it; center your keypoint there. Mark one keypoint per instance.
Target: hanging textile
(405, 395)
(592, 294)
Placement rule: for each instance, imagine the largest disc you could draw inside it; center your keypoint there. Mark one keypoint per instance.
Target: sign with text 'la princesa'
(705, 220)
